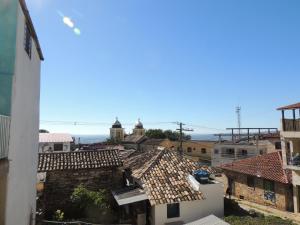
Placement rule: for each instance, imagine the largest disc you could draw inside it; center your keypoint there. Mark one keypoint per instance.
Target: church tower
(116, 131)
(138, 128)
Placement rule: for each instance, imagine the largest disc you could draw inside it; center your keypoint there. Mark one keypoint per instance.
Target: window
(250, 182)
(173, 210)
(216, 151)
(194, 149)
(189, 149)
(269, 185)
(230, 151)
(27, 40)
(261, 152)
(203, 150)
(244, 152)
(277, 145)
(58, 147)
(269, 193)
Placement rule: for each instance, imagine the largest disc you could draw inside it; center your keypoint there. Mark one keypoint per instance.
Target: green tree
(43, 131)
(83, 198)
(169, 134)
(155, 133)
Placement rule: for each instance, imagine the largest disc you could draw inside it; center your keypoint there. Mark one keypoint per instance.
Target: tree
(169, 134)
(155, 133)
(83, 198)
(43, 131)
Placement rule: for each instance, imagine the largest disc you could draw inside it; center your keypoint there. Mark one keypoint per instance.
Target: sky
(163, 61)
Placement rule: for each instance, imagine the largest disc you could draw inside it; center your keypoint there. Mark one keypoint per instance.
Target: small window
(173, 210)
(216, 151)
(194, 149)
(203, 150)
(261, 152)
(244, 152)
(230, 151)
(277, 145)
(250, 181)
(27, 40)
(269, 185)
(58, 147)
(189, 149)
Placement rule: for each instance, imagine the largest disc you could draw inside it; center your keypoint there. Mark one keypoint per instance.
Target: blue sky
(170, 60)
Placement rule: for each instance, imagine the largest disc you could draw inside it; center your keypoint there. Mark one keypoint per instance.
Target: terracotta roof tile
(78, 160)
(290, 107)
(268, 166)
(163, 174)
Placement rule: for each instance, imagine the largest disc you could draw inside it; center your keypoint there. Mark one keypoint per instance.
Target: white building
(254, 144)
(20, 60)
(162, 190)
(290, 141)
(55, 142)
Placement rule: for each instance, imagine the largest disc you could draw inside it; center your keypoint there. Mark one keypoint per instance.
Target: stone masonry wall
(59, 186)
(256, 194)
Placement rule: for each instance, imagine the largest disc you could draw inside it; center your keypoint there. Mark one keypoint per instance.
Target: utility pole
(181, 129)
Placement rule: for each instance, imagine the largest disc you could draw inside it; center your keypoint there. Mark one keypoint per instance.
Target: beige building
(117, 133)
(139, 129)
(229, 151)
(55, 142)
(196, 150)
(290, 140)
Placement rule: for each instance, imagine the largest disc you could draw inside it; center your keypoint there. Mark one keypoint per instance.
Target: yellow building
(193, 149)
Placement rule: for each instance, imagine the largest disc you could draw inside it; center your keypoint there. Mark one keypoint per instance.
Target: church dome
(117, 124)
(139, 125)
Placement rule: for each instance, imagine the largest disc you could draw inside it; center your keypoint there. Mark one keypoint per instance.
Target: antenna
(238, 113)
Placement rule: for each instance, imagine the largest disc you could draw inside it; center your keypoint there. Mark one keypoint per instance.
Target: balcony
(293, 160)
(4, 136)
(291, 124)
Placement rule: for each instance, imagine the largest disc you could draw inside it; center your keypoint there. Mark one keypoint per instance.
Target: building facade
(290, 141)
(20, 59)
(227, 152)
(117, 133)
(161, 190)
(55, 142)
(260, 179)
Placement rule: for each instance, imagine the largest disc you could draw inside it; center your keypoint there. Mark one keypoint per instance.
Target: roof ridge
(155, 159)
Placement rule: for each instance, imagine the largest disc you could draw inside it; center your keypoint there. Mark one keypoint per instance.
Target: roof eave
(30, 23)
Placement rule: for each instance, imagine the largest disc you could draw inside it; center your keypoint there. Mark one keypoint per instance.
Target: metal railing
(4, 135)
(291, 125)
(293, 159)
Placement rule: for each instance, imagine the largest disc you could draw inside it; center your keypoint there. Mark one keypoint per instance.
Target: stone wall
(255, 194)
(59, 186)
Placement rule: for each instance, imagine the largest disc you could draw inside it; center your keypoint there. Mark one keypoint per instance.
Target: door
(231, 186)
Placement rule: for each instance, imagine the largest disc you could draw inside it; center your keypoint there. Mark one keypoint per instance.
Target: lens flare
(77, 31)
(68, 22)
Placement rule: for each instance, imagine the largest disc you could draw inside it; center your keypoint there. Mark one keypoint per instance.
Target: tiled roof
(290, 107)
(54, 137)
(134, 138)
(268, 166)
(78, 160)
(154, 141)
(163, 174)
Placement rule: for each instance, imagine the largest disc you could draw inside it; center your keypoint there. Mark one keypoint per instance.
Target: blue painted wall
(8, 30)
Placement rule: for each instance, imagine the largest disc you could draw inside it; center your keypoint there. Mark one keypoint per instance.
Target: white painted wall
(46, 147)
(24, 134)
(253, 150)
(194, 210)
